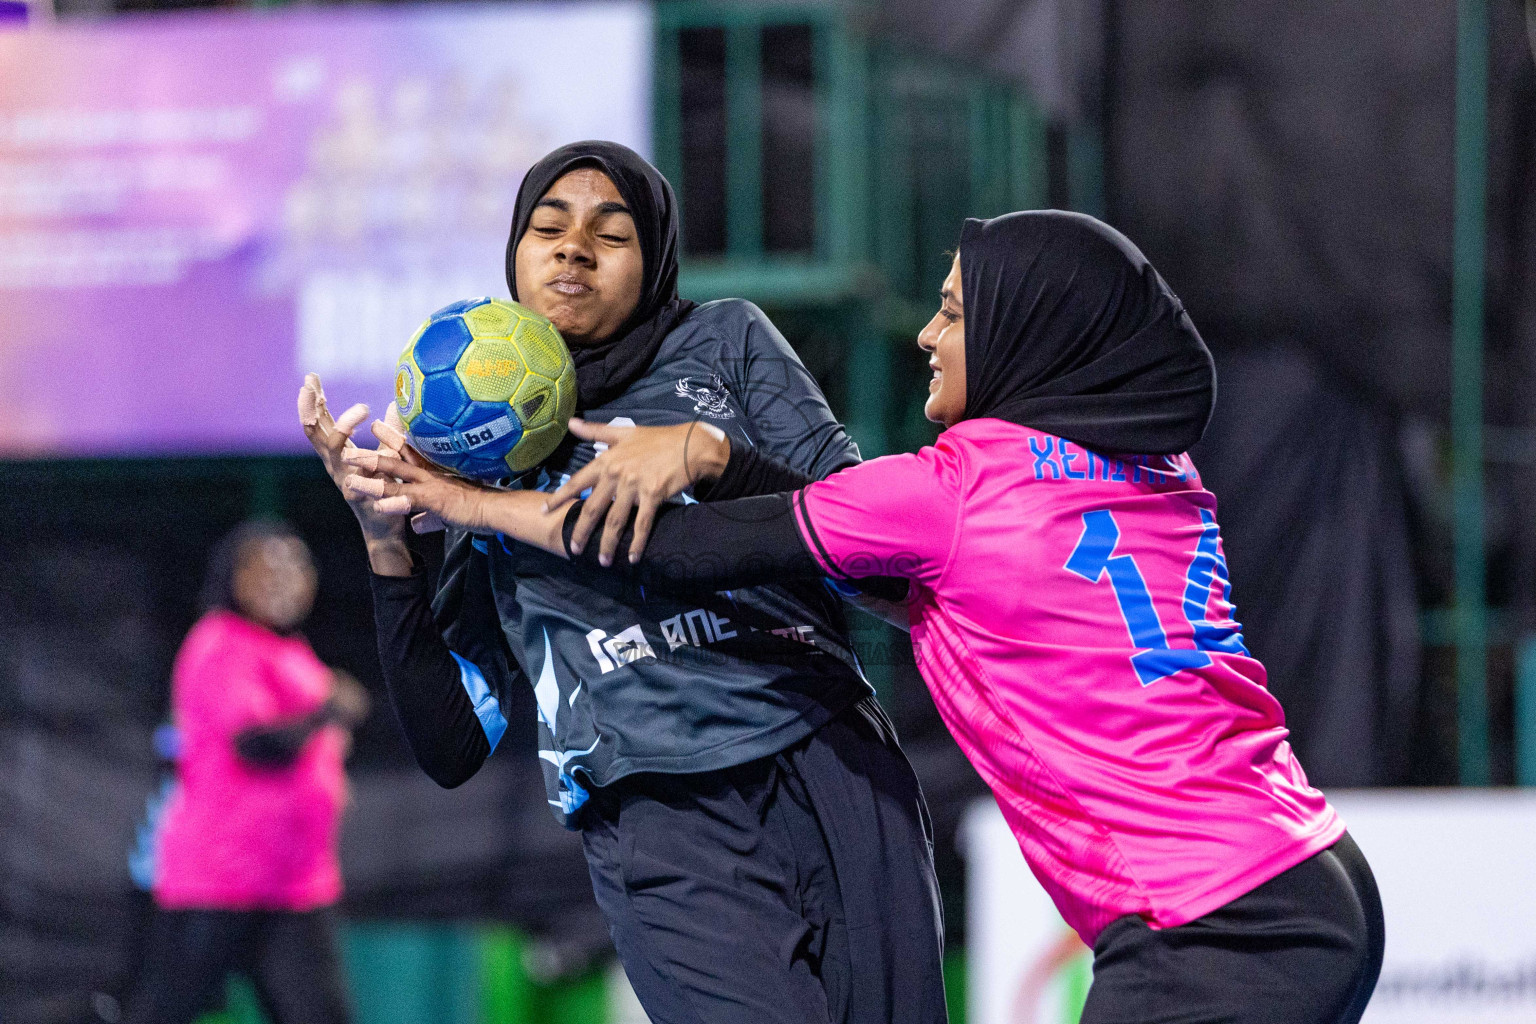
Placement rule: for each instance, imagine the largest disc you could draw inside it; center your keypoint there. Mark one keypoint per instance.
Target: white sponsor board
(1457, 872)
(1025, 966)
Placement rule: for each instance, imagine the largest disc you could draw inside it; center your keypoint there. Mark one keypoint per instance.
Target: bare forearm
(520, 515)
(397, 487)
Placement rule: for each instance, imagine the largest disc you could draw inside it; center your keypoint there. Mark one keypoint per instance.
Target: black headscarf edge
(645, 191)
(1071, 331)
(605, 370)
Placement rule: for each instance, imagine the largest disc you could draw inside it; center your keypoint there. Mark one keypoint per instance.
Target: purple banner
(195, 210)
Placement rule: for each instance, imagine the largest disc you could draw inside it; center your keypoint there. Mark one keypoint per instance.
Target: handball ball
(486, 388)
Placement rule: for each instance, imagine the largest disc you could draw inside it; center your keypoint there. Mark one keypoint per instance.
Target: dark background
(1287, 167)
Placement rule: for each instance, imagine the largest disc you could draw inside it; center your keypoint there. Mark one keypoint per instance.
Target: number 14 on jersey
(1094, 559)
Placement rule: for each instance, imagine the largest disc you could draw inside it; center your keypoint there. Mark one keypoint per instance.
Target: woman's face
(944, 341)
(275, 581)
(579, 263)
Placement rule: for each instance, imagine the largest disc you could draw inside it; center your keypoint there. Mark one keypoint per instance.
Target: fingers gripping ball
(486, 388)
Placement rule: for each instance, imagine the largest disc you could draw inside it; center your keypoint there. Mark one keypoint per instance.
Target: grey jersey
(626, 681)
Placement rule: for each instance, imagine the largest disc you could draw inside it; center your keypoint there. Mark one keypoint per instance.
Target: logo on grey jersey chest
(710, 399)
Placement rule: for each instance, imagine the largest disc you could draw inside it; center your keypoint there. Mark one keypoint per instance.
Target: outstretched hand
(637, 469)
(332, 440)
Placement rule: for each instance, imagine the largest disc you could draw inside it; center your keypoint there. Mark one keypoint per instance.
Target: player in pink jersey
(1067, 595)
(246, 870)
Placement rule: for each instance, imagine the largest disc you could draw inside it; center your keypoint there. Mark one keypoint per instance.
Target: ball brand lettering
(467, 440)
(474, 437)
(488, 367)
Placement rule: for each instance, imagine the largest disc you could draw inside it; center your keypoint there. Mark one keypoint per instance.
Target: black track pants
(795, 889)
(290, 958)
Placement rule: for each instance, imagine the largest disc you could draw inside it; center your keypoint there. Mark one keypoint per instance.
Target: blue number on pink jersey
(1207, 570)
(1094, 558)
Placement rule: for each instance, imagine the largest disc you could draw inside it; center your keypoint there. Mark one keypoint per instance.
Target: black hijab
(605, 370)
(1069, 330)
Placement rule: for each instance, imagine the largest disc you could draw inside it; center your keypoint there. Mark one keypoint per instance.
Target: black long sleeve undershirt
(743, 534)
(424, 682)
(749, 473)
(745, 542)
(721, 545)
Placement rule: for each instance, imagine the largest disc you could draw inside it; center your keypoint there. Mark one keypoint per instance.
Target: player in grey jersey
(755, 836)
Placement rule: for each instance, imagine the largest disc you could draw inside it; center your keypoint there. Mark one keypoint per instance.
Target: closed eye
(951, 317)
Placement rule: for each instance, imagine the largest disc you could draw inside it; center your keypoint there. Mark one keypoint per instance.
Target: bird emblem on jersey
(708, 399)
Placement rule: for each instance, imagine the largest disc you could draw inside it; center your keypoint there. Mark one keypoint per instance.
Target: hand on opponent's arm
(639, 470)
(399, 486)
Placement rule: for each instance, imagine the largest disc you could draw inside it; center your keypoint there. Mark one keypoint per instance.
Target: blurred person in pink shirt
(1060, 567)
(246, 870)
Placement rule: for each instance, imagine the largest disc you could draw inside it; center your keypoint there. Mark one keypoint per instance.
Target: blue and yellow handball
(486, 388)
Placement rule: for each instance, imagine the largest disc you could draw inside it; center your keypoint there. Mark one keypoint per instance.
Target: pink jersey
(237, 837)
(1070, 617)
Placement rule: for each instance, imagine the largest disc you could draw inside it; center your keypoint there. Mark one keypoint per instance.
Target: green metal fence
(1467, 318)
(904, 148)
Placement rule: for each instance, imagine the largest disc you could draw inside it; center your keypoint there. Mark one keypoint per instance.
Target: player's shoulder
(731, 323)
(985, 430)
(934, 468)
(990, 440)
(970, 438)
(217, 627)
(728, 312)
(735, 339)
(969, 450)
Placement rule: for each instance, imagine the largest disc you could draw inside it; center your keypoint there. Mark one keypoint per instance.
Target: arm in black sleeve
(716, 546)
(748, 473)
(465, 610)
(788, 415)
(744, 542)
(425, 682)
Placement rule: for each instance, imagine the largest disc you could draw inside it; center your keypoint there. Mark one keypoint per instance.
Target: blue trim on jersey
(840, 588)
(487, 707)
